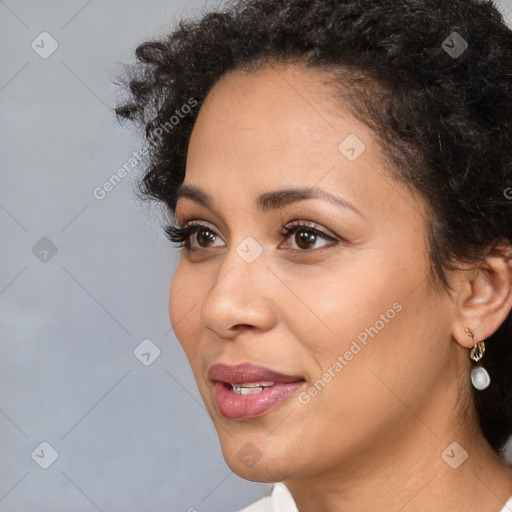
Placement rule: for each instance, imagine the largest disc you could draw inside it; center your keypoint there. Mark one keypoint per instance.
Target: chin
(256, 460)
(264, 472)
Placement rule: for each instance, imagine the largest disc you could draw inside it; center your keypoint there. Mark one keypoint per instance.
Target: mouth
(245, 391)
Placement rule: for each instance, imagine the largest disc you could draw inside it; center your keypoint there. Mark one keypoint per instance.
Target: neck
(409, 473)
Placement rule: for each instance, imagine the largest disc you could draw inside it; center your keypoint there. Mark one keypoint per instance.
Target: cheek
(380, 322)
(182, 297)
(346, 303)
(372, 320)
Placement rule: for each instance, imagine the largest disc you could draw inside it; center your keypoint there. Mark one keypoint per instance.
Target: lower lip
(243, 407)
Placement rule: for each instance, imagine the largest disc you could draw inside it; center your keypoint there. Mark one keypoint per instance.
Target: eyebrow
(269, 200)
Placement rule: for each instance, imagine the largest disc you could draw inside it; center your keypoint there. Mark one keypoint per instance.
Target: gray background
(129, 437)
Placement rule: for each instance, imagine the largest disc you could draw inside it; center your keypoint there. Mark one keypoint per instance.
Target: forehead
(286, 126)
(271, 98)
(283, 116)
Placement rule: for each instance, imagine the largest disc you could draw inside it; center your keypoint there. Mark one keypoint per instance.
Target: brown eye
(204, 237)
(192, 236)
(195, 236)
(306, 237)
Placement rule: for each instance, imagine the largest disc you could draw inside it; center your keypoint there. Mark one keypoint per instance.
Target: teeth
(248, 388)
(245, 391)
(263, 383)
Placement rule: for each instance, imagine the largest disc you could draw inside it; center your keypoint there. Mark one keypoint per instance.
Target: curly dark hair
(442, 116)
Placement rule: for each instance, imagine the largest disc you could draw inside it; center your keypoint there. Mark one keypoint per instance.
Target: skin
(372, 439)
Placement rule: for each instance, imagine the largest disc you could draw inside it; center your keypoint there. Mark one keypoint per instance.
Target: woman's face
(346, 313)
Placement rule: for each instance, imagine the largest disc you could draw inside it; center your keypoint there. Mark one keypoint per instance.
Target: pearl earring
(479, 375)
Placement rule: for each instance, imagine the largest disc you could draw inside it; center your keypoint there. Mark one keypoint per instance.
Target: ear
(484, 297)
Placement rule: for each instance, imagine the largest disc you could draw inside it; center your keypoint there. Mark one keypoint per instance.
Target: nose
(240, 297)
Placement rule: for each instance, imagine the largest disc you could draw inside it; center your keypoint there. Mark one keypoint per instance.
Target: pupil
(208, 236)
(305, 239)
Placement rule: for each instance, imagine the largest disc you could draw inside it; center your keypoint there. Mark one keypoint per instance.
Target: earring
(479, 375)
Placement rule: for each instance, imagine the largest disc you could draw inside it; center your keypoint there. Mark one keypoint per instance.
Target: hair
(444, 120)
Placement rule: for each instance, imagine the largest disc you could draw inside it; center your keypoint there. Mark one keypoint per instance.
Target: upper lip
(242, 373)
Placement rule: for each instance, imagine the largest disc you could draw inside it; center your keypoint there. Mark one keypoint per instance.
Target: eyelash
(181, 235)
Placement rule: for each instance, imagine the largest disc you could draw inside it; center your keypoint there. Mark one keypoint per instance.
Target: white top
(281, 501)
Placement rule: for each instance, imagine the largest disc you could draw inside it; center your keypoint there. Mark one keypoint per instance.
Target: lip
(242, 373)
(244, 407)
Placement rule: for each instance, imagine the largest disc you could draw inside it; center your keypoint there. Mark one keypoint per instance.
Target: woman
(339, 174)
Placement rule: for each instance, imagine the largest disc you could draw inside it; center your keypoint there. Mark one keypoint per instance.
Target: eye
(306, 237)
(182, 236)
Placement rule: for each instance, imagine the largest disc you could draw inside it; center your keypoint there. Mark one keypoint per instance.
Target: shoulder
(280, 500)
